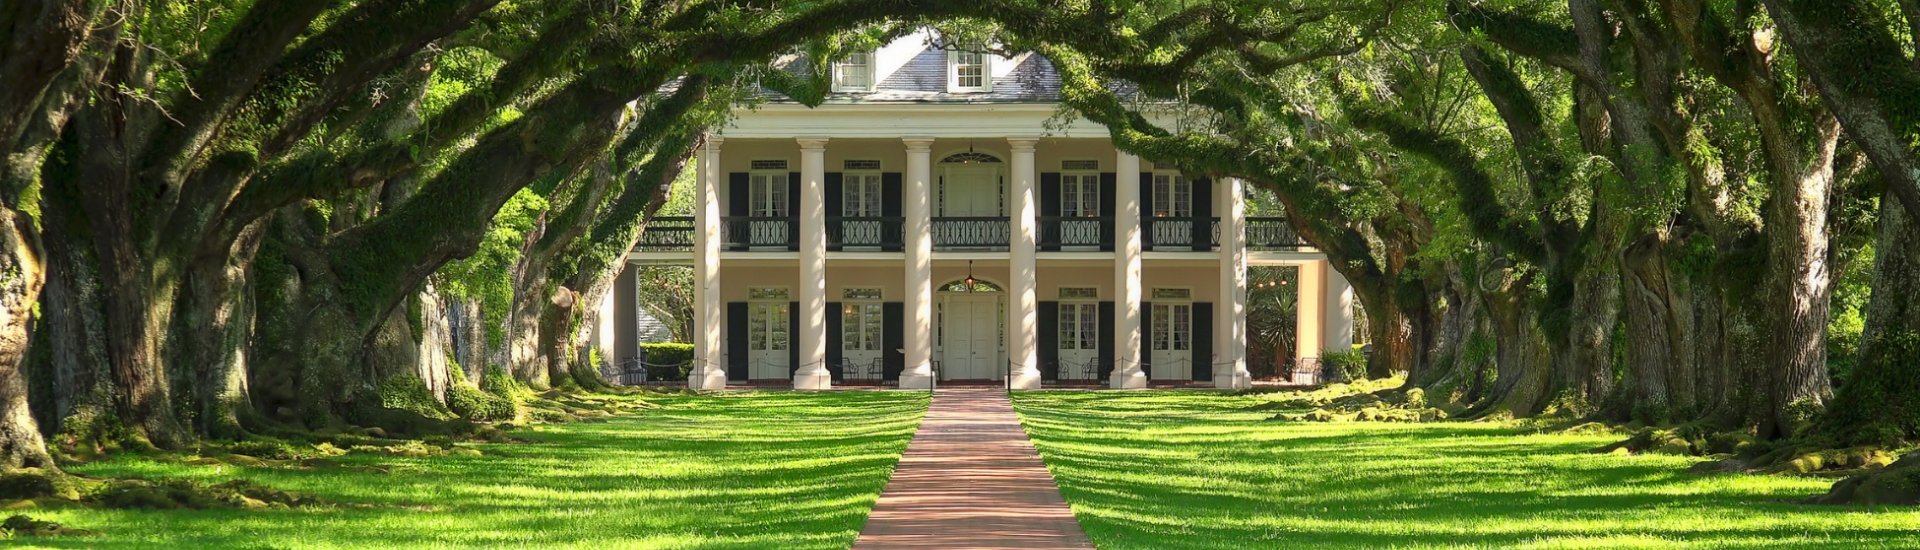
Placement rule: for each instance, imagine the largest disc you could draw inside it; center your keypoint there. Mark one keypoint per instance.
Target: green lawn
(747, 470)
(1193, 469)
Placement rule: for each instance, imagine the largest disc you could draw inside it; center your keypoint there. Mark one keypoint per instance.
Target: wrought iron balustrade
(1058, 232)
(749, 232)
(1181, 233)
(667, 233)
(970, 233)
(1272, 233)
(845, 232)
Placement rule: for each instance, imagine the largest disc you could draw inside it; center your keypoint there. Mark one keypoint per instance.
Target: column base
(813, 379)
(917, 378)
(707, 378)
(1131, 379)
(1237, 379)
(1028, 379)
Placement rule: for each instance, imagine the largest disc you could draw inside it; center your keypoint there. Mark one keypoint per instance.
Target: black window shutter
(793, 344)
(737, 340)
(1146, 210)
(1049, 237)
(737, 194)
(835, 206)
(890, 233)
(834, 342)
(793, 211)
(1049, 341)
(1146, 339)
(1202, 214)
(738, 197)
(1107, 329)
(1202, 340)
(1109, 202)
(893, 339)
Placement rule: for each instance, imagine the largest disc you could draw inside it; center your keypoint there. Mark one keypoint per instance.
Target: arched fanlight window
(970, 285)
(970, 157)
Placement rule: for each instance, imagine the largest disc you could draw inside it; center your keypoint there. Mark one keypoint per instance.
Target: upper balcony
(887, 234)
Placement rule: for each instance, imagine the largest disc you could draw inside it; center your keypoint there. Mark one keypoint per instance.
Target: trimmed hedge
(668, 353)
(1338, 366)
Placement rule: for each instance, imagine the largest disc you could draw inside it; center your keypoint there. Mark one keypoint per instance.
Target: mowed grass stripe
(1197, 469)
(736, 470)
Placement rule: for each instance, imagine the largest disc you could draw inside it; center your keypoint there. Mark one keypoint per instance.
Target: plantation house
(935, 218)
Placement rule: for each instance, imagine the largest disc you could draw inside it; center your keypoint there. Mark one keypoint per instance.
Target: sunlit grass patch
(746, 470)
(1200, 469)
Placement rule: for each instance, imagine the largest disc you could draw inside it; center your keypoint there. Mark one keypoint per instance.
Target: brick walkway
(971, 479)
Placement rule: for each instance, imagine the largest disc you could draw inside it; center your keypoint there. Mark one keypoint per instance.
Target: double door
(970, 338)
(1171, 341)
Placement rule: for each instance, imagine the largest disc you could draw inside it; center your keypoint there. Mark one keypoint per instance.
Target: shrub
(1344, 365)
(668, 353)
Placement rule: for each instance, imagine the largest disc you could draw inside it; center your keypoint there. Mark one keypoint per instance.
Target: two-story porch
(837, 260)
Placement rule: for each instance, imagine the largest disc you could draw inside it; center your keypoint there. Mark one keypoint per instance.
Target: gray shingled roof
(923, 79)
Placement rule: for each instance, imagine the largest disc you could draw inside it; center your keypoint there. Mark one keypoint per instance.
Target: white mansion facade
(934, 219)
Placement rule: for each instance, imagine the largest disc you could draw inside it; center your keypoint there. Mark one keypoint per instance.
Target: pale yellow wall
(1205, 281)
(734, 281)
(1050, 279)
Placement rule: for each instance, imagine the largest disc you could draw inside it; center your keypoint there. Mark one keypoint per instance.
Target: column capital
(714, 140)
(1022, 144)
(812, 143)
(918, 144)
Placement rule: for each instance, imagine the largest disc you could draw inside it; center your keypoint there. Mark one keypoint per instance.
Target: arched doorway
(970, 341)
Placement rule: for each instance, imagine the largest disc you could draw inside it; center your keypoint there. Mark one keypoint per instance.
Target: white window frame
(953, 72)
(841, 84)
(862, 188)
(1075, 196)
(1178, 186)
(756, 179)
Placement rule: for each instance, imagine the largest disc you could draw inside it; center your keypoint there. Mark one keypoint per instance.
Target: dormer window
(967, 72)
(854, 74)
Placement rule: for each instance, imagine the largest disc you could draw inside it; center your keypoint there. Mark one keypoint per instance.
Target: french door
(1079, 326)
(768, 337)
(1172, 200)
(860, 198)
(1080, 210)
(1172, 338)
(861, 324)
(768, 204)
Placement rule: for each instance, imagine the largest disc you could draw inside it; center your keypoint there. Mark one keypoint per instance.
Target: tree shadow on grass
(771, 469)
(1197, 470)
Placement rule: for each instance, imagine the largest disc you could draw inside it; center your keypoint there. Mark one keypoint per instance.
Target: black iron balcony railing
(667, 233)
(970, 233)
(852, 232)
(1074, 233)
(1193, 233)
(748, 232)
(1272, 233)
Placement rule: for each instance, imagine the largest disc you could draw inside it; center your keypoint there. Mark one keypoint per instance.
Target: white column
(1337, 324)
(1230, 327)
(1308, 312)
(1023, 323)
(1126, 275)
(709, 361)
(918, 230)
(812, 337)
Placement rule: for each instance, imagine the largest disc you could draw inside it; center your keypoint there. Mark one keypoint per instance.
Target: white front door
(970, 338)
(860, 334)
(861, 198)
(1079, 324)
(1172, 341)
(1080, 211)
(767, 334)
(1172, 210)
